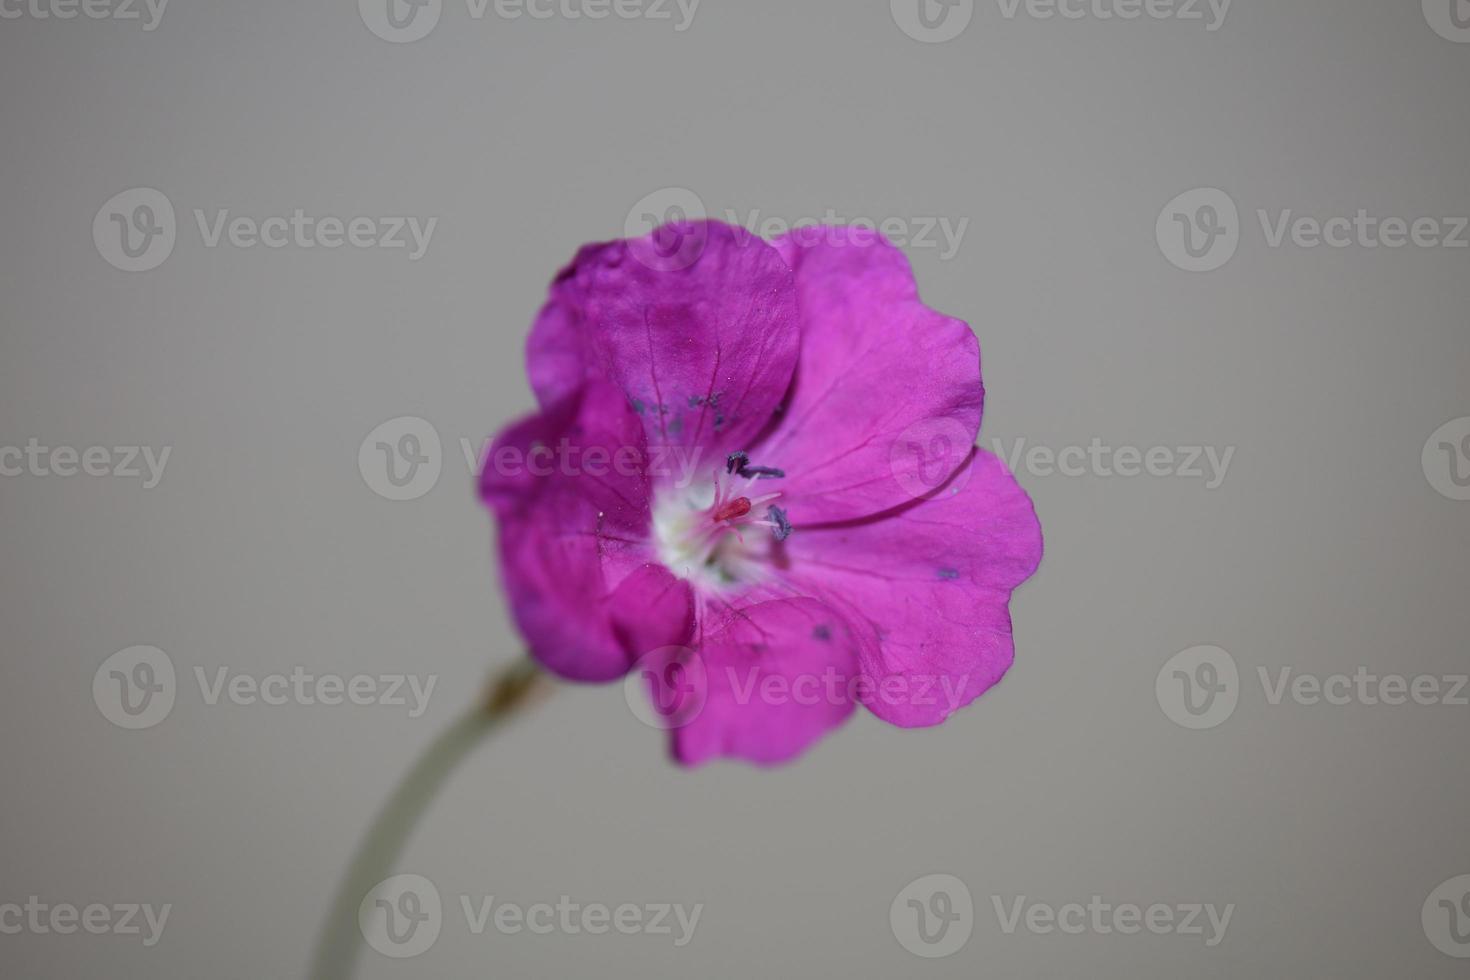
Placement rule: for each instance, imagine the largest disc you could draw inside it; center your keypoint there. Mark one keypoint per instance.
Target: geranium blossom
(761, 454)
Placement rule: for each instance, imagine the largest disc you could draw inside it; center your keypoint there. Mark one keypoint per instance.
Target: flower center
(712, 534)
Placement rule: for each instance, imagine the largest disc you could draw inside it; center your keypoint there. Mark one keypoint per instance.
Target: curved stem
(340, 940)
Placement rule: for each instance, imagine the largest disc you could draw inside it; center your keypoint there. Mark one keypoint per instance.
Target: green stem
(341, 940)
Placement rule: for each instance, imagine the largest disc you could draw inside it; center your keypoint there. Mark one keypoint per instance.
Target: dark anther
(740, 463)
(782, 530)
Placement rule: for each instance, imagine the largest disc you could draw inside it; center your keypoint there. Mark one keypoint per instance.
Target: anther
(739, 463)
(782, 530)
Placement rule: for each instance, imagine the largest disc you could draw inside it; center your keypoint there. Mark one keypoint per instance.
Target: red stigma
(733, 509)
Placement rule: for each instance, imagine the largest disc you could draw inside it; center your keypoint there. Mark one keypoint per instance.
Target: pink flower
(761, 454)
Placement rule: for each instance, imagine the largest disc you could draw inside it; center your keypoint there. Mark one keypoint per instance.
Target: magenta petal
(776, 677)
(887, 397)
(555, 364)
(930, 585)
(585, 453)
(573, 537)
(703, 352)
(652, 609)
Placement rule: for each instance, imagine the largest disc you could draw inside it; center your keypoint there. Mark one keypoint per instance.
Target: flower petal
(571, 492)
(703, 348)
(931, 583)
(882, 380)
(651, 610)
(776, 678)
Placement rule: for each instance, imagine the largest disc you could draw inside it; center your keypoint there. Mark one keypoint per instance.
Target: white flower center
(714, 534)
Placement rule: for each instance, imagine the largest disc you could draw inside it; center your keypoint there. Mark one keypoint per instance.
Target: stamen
(739, 463)
(783, 523)
(701, 534)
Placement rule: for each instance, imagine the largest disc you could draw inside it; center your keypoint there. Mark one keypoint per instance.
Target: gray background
(263, 549)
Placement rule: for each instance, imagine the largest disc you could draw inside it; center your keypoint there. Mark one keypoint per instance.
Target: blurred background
(1229, 239)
